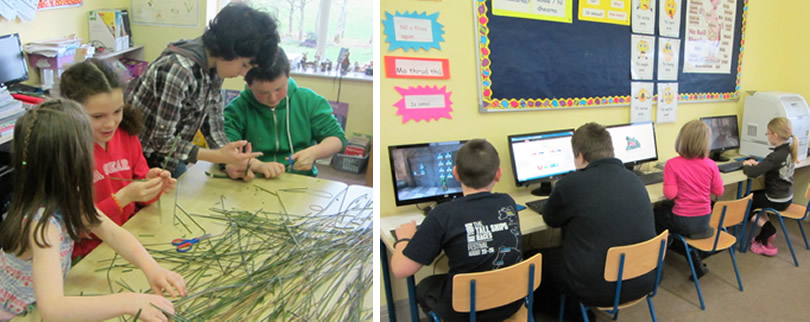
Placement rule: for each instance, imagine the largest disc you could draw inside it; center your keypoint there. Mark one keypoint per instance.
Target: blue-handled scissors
(184, 245)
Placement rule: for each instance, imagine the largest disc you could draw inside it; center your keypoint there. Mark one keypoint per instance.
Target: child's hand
(150, 313)
(161, 279)
(232, 153)
(268, 169)
(238, 171)
(406, 230)
(304, 159)
(750, 162)
(167, 182)
(141, 191)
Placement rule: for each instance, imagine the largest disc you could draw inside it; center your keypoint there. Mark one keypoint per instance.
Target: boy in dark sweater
(599, 206)
(478, 232)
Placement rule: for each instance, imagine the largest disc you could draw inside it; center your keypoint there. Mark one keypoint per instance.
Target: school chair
(487, 290)
(795, 211)
(724, 214)
(628, 262)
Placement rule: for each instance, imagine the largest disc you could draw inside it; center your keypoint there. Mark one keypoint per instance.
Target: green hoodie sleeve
(235, 120)
(324, 124)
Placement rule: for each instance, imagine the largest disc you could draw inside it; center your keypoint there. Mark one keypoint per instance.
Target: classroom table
(342, 214)
(530, 222)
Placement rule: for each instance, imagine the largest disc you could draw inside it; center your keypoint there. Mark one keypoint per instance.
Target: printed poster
(642, 61)
(551, 10)
(641, 103)
(669, 21)
(605, 11)
(643, 21)
(709, 36)
(667, 103)
(668, 52)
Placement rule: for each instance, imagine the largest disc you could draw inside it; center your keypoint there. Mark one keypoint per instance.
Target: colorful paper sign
(643, 58)
(641, 103)
(551, 10)
(423, 103)
(605, 11)
(669, 19)
(412, 67)
(668, 57)
(643, 21)
(667, 103)
(413, 31)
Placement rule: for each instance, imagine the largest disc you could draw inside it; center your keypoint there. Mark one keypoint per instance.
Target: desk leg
(392, 314)
(739, 189)
(412, 298)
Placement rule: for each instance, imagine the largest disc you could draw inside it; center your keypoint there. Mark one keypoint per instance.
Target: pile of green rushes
(273, 266)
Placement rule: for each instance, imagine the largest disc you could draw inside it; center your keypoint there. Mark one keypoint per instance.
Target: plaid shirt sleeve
(161, 94)
(213, 128)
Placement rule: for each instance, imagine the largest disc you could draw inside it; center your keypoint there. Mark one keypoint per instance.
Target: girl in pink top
(689, 181)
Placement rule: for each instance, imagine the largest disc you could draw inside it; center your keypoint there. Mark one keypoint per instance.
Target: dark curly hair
(94, 76)
(241, 31)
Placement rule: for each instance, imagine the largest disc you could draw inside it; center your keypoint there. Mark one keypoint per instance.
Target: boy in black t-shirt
(478, 232)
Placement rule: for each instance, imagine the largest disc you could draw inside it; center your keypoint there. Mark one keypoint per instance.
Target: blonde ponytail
(794, 149)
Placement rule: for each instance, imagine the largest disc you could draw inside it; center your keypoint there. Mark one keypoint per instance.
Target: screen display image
(13, 67)
(424, 172)
(634, 143)
(724, 132)
(541, 155)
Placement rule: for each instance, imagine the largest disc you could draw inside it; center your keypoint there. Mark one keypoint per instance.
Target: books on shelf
(357, 145)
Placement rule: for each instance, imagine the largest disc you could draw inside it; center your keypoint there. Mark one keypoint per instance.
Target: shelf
(122, 53)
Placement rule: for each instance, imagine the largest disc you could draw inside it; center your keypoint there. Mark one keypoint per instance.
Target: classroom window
(349, 26)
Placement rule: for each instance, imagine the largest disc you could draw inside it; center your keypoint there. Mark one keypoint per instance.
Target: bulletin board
(529, 64)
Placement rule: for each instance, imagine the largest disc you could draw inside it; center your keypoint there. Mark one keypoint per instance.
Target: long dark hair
(56, 130)
(95, 76)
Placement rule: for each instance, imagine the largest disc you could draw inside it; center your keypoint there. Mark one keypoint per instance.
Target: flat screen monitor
(725, 135)
(13, 68)
(634, 143)
(424, 172)
(541, 157)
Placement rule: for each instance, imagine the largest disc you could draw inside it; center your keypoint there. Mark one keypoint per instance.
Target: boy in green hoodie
(180, 92)
(274, 114)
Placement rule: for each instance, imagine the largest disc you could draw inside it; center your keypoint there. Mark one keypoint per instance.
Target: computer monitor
(13, 68)
(634, 143)
(725, 135)
(424, 172)
(541, 157)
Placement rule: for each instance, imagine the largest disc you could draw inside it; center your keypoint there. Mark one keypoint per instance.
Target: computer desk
(530, 222)
(295, 196)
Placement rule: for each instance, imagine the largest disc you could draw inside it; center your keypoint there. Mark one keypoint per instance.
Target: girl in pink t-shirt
(689, 181)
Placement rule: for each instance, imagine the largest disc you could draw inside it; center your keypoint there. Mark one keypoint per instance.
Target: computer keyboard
(731, 166)
(537, 205)
(651, 178)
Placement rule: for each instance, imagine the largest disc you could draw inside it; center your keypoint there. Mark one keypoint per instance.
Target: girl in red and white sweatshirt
(117, 151)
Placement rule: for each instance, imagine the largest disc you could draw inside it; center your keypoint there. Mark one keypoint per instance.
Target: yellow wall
(774, 59)
(62, 22)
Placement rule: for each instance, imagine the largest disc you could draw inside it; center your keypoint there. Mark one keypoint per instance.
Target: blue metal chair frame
(528, 300)
(714, 248)
(747, 241)
(615, 310)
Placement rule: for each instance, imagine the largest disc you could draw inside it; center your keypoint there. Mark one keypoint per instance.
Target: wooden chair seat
(724, 214)
(627, 262)
(707, 244)
(794, 211)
